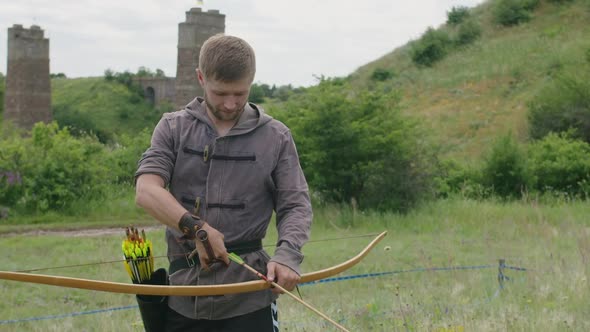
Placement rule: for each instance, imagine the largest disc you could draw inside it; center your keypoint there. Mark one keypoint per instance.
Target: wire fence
(502, 267)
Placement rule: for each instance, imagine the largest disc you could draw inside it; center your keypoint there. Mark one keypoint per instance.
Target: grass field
(551, 242)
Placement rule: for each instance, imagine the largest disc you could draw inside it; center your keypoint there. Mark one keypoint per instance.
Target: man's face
(225, 100)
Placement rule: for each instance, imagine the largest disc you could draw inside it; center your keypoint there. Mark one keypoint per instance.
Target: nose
(230, 103)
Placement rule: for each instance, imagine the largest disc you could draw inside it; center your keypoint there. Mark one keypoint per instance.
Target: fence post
(501, 276)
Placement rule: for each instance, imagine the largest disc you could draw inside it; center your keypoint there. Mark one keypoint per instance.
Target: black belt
(239, 249)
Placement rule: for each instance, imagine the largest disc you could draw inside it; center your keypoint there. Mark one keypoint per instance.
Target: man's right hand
(215, 239)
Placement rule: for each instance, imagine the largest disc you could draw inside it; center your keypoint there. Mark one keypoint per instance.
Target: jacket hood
(252, 117)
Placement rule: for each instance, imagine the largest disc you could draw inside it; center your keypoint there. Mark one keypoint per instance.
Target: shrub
(381, 74)
(562, 106)
(514, 12)
(465, 180)
(561, 164)
(125, 155)
(57, 76)
(53, 168)
(358, 147)
(468, 32)
(505, 171)
(457, 15)
(146, 72)
(431, 47)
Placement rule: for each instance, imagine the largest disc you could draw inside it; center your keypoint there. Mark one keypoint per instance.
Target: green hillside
(105, 108)
(481, 91)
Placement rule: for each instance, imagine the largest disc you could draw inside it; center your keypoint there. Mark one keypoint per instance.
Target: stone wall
(158, 90)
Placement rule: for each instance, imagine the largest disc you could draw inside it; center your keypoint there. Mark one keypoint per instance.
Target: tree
(457, 15)
(358, 146)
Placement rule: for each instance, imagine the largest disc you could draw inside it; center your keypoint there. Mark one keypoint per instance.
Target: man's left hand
(283, 276)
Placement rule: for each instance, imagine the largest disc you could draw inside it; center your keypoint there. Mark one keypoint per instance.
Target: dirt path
(89, 232)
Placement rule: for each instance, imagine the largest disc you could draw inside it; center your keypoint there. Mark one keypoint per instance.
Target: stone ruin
(27, 97)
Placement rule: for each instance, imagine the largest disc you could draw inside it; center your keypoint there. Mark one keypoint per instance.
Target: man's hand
(215, 239)
(283, 276)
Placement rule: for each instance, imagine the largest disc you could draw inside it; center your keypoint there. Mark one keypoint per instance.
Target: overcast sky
(294, 41)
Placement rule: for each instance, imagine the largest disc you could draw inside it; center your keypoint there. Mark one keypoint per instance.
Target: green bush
(561, 164)
(124, 156)
(381, 75)
(505, 170)
(358, 147)
(562, 106)
(457, 15)
(433, 46)
(514, 12)
(465, 180)
(283, 92)
(468, 32)
(52, 168)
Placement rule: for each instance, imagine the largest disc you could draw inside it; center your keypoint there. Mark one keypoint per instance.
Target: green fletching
(235, 258)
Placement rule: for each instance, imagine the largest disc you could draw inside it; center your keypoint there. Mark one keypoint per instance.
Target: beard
(222, 114)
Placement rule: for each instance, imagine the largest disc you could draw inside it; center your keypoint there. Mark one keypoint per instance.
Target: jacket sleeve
(292, 204)
(159, 158)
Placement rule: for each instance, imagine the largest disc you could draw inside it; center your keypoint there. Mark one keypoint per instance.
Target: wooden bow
(241, 287)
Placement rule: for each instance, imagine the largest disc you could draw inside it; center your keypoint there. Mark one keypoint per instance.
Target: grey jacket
(235, 183)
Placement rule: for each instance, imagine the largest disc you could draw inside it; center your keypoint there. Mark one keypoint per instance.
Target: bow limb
(325, 273)
(241, 287)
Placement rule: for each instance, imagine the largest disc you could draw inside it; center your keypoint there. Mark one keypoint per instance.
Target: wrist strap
(189, 225)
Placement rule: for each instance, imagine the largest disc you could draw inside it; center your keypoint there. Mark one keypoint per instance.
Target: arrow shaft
(307, 305)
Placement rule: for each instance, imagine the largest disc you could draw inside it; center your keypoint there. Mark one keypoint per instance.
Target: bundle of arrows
(137, 250)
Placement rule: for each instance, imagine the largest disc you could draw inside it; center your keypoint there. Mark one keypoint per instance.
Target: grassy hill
(106, 108)
(481, 91)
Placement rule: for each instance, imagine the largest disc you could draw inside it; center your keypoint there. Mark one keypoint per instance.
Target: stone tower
(199, 26)
(27, 98)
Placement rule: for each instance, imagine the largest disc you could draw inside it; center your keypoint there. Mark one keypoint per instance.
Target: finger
(202, 257)
(224, 257)
(270, 275)
(291, 286)
(204, 262)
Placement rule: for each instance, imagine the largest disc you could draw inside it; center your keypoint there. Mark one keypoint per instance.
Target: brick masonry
(27, 98)
(192, 33)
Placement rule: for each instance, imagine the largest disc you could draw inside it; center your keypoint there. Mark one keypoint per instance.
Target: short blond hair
(227, 59)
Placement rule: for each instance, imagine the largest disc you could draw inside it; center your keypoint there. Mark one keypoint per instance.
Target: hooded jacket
(235, 183)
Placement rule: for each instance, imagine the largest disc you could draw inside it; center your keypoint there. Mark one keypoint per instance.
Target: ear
(201, 78)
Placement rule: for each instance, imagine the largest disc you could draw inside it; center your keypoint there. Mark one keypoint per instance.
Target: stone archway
(150, 95)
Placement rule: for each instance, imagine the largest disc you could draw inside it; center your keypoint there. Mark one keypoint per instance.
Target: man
(223, 166)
